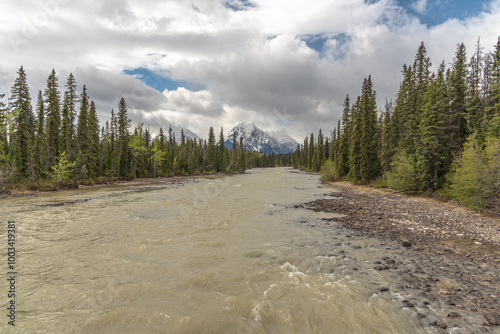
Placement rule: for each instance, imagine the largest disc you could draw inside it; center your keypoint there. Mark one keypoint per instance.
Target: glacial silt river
(223, 255)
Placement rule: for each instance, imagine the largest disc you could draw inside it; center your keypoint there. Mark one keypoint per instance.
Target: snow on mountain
(176, 129)
(258, 140)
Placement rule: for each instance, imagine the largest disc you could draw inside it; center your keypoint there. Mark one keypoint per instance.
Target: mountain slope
(258, 140)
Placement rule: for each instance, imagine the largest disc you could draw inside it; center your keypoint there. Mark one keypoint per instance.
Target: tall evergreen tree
(211, 151)
(355, 142)
(242, 164)
(475, 105)
(310, 152)
(458, 98)
(83, 138)
(433, 153)
(369, 164)
(22, 135)
(221, 152)
(40, 140)
(3, 130)
(94, 142)
(52, 100)
(123, 123)
(493, 106)
(344, 136)
(68, 130)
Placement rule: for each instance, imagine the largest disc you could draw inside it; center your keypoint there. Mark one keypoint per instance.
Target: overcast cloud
(251, 57)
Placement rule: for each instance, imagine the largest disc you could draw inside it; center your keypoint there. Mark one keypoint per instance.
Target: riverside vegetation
(62, 147)
(442, 134)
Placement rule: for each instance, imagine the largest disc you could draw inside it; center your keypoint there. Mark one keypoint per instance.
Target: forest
(440, 136)
(61, 144)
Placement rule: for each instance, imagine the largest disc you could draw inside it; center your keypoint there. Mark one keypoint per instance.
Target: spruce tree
(493, 106)
(83, 138)
(355, 142)
(343, 138)
(221, 152)
(433, 154)
(94, 142)
(211, 150)
(22, 135)
(68, 130)
(52, 110)
(40, 140)
(475, 103)
(242, 165)
(123, 123)
(310, 161)
(458, 97)
(3, 130)
(369, 164)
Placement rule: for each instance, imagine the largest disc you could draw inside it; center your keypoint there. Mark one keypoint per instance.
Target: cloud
(420, 6)
(252, 57)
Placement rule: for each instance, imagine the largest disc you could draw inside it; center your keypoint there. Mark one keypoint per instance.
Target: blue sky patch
(238, 5)
(435, 12)
(318, 42)
(160, 83)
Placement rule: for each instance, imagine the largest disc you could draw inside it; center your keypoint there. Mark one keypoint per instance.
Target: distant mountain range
(176, 129)
(258, 140)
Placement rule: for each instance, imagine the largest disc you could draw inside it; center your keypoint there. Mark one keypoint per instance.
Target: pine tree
(52, 99)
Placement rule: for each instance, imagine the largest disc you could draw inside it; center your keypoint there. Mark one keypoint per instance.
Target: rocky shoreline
(442, 259)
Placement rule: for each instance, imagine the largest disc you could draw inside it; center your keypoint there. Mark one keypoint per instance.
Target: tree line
(442, 133)
(61, 144)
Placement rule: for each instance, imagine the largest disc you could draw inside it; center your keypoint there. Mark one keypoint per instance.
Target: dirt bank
(448, 263)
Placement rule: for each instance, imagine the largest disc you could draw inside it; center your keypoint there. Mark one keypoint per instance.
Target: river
(220, 255)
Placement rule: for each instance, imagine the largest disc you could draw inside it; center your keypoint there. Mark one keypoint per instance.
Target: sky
(285, 65)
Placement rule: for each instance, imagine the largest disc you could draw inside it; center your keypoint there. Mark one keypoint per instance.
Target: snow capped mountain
(176, 129)
(258, 140)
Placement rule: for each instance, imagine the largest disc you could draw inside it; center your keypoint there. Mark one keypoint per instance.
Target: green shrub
(328, 171)
(475, 177)
(404, 173)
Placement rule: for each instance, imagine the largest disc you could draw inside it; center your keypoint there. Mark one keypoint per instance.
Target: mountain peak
(258, 140)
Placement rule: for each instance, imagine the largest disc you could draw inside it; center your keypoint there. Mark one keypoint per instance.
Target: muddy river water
(222, 255)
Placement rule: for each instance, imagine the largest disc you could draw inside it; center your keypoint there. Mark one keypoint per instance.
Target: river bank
(21, 192)
(445, 259)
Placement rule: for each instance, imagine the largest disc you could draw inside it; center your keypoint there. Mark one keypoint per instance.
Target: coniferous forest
(61, 145)
(441, 134)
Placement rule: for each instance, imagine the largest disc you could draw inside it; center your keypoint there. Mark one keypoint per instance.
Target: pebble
(493, 319)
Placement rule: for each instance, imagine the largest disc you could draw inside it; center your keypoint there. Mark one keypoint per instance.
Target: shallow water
(223, 255)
